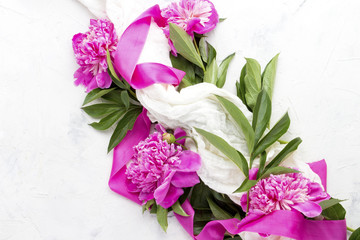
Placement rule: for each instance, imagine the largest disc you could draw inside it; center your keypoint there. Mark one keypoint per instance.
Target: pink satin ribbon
(290, 224)
(130, 47)
(123, 153)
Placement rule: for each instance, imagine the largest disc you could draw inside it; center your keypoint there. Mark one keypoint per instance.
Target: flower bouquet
(183, 144)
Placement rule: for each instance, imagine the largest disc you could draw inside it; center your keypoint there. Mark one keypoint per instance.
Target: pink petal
(162, 190)
(160, 128)
(171, 197)
(180, 133)
(243, 202)
(190, 161)
(146, 196)
(131, 187)
(309, 209)
(185, 179)
(103, 80)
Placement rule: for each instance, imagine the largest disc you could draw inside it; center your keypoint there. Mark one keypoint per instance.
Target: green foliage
(289, 148)
(272, 136)
(335, 212)
(355, 235)
(240, 120)
(277, 171)
(222, 72)
(268, 76)
(184, 45)
(329, 203)
(246, 185)
(95, 94)
(261, 116)
(251, 81)
(125, 124)
(226, 149)
(211, 72)
(161, 215)
(178, 209)
(217, 211)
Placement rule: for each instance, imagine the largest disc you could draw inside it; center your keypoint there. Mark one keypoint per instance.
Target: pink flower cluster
(159, 170)
(286, 192)
(90, 53)
(194, 16)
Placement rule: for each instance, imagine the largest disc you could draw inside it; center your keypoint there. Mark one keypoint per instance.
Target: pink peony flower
(285, 192)
(159, 169)
(194, 16)
(90, 53)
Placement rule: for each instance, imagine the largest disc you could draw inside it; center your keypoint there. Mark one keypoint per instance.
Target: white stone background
(54, 167)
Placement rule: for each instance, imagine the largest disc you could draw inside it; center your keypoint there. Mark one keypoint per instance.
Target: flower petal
(178, 133)
(190, 161)
(309, 209)
(103, 80)
(185, 179)
(161, 192)
(171, 197)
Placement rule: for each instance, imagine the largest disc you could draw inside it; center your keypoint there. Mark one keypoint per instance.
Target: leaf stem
(196, 46)
(198, 51)
(350, 229)
(132, 93)
(247, 202)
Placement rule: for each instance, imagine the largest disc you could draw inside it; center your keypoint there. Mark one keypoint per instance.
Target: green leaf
(240, 120)
(329, 203)
(355, 235)
(218, 212)
(181, 63)
(223, 68)
(100, 110)
(262, 114)
(147, 205)
(289, 148)
(335, 212)
(237, 216)
(161, 215)
(114, 96)
(107, 121)
(125, 124)
(184, 44)
(95, 94)
(125, 99)
(226, 149)
(277, 171)
(211, 53)
(153, 209)
(268, 76)
(261, 164)
(272, 136)
(178, 209)
(222, 19)
(211, 73)
(203, 49)
(246, 185)
(240, 86)
(199, 196)
(252, 81)
(112, 73)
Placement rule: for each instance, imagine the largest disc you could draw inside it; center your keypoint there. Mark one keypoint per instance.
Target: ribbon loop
(130, 47)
